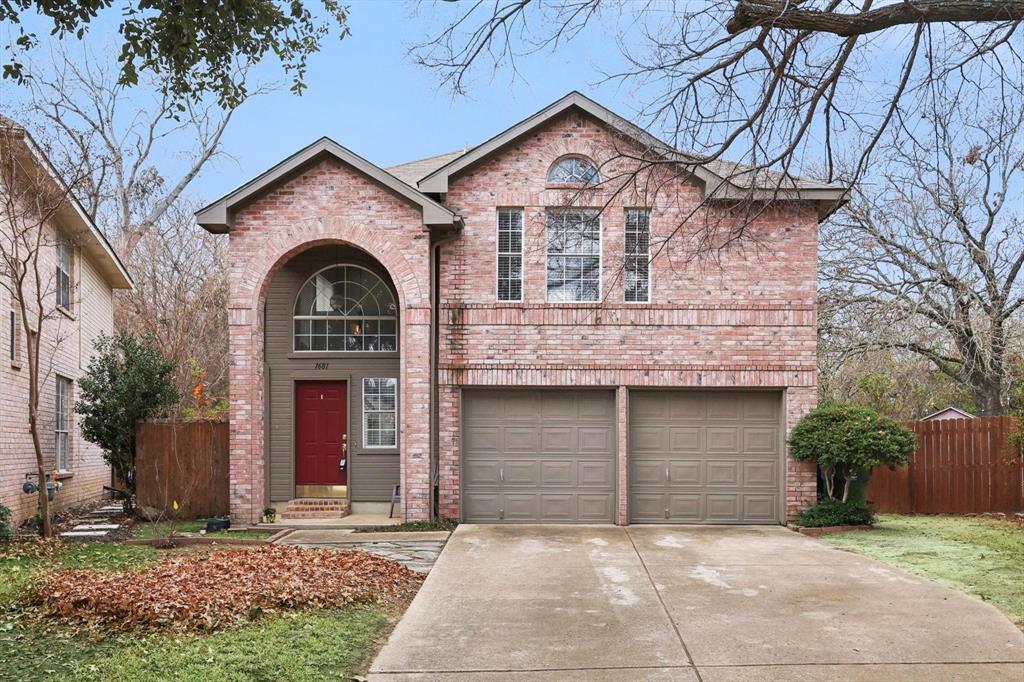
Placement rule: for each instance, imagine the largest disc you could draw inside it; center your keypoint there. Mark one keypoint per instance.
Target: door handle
(501, 473)
(344, 443)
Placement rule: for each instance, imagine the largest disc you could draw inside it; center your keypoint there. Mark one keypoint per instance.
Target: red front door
(321, 427)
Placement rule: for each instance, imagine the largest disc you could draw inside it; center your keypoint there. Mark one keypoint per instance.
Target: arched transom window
(574, 170)
(346, 308)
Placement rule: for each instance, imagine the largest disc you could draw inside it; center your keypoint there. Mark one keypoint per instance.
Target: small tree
(848, 441)
(128, 380)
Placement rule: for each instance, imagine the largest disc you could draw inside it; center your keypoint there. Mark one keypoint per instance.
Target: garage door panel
(645, 472)
(482, 472)
(723, 439)
(481, 506)
(595, 439)
(760, 474)
(596, 474)
(557, 439)
(722, 507)
(721, 472)
(555, 449)
(648, 439)
(685, 439)
(684, 472)
(760, 440)
(597, 508)
(684, 508)
(705, 456)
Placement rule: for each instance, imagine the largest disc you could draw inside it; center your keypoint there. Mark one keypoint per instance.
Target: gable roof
(72, 216)
(219, 215)
(952, 410)
(411, 172)
(721, 179)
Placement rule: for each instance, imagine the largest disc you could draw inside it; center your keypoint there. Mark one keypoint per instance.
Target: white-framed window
(510, 254)
(573, 255)
(62, 424)
(638, 256)
(345, 308)
(380, 413)
(65, 255)
(573, 170)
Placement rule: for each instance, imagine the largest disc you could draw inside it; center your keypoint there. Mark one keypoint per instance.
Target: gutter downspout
(435, 388)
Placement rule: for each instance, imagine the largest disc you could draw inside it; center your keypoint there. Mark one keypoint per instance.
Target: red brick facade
(744, 319)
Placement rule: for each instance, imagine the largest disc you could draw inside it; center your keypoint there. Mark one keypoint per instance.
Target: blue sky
(365, 93)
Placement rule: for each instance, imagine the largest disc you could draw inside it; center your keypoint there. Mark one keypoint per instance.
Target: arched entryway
(332, 355)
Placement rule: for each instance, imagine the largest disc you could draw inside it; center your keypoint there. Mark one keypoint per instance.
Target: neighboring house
(499, 324)
(948, 413)
(79, 271)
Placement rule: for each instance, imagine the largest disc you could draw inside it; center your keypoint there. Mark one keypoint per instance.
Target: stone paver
(417, 551)
(719, 604)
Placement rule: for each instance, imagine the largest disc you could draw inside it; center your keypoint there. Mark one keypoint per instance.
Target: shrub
(828, 512)
(6, 531)
(848, 441)
(127, 380)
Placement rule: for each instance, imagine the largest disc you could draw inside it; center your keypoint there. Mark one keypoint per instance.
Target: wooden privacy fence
(961, 466)
(183, 461)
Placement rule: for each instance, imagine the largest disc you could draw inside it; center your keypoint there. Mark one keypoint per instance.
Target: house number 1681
(321, 365)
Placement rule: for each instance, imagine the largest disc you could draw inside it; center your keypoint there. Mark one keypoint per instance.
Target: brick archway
(408, 267)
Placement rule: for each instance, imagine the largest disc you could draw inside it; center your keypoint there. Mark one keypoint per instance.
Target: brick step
(294, 515)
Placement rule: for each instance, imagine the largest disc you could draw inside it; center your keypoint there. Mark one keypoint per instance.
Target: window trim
(600, 254)
(553, 183)
(625, 255)
(498, 253)
(64, 242)
(365, 413)
(63, 399)
(342, 352)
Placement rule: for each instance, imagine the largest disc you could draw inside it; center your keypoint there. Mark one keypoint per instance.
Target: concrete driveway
(686, 603)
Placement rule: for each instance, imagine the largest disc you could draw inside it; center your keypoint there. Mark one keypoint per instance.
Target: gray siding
(371, 473)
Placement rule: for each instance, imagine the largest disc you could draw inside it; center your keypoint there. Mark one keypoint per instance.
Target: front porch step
(315, 508)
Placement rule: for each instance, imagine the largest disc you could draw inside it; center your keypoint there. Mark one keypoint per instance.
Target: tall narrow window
(63, 424)
(510, 254)
(638, 256)
(380, 413)
(64, 273)
(574, 255)
(15, 326)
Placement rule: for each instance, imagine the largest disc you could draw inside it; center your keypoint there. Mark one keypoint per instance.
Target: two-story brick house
(78, 273)
(518, 331)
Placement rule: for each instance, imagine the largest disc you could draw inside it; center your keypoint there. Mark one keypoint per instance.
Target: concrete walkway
(707, 604)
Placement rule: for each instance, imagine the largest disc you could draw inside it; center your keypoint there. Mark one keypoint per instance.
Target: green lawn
(160, 529)
(977, 555)
(412, 527)
(309, 645)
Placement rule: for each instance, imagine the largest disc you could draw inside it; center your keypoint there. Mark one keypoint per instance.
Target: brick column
(415, 411)
(622, 454)
(801, 477)
(450, 452)
(246, 413)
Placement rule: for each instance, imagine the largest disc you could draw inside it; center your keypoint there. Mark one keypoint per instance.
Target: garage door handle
(501, 473)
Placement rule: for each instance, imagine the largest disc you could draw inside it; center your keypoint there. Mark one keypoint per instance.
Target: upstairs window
(510, 254)
(573, 170)
(64, 254)
(574, 255)
(638, 256)
(346, 308)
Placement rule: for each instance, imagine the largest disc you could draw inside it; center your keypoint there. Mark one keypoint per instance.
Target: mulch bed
(208, 591)
(828, 530)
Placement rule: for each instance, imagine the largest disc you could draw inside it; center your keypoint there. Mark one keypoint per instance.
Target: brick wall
(67, 343)
(327, 203)
(745, 318)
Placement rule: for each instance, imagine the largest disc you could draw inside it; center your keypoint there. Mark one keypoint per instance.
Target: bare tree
(927, 259)
(33, 196)
(180, 298)
(771, 84)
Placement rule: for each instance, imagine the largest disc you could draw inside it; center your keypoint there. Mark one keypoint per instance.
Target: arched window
(345, 308)
(574, 170)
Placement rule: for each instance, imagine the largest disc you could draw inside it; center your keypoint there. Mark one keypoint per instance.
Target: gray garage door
(544, 456)
(704, 457)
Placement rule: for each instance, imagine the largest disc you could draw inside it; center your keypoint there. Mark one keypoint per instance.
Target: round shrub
(6, 531)
(828, 512)
(847, 441)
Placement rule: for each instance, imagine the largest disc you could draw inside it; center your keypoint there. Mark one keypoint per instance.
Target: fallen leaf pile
(209, 591)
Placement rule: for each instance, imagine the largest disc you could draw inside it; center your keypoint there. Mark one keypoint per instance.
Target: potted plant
(269, 514)
(847, 442)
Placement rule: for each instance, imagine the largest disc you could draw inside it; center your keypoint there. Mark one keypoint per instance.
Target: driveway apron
(685, 603)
